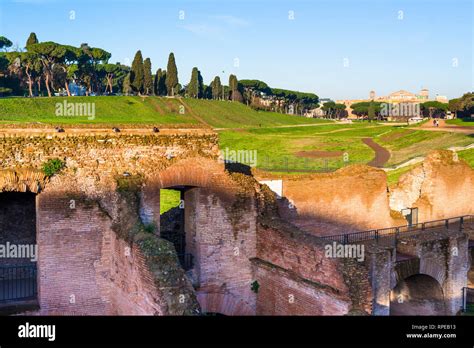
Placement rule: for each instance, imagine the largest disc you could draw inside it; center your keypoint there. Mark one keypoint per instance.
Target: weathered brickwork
(225, 244)
(97, 254)
(296, 277)
(285, 293)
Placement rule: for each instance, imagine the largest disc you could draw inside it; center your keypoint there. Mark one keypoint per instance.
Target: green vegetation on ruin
(52, 166)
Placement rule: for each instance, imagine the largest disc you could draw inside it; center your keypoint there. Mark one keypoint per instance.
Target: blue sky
(334, 48)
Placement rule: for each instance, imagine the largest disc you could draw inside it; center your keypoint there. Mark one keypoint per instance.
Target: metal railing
(17, 283)
(467, 300)
(394, 232)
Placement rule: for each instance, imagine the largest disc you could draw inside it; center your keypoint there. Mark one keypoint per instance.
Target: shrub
(53, 166)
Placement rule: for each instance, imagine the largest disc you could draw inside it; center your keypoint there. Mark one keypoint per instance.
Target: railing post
(346, 239)
(461, 223)
(446, 223)
(464, 299)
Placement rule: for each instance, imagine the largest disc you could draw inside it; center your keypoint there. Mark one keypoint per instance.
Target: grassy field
(111, 110)
(468, 156)
(464, 122)
(224, 114)
(284, 143)
(116, 110)
(169, 199)
(280, 149)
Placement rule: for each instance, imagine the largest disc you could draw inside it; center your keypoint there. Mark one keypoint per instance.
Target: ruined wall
(73, 258)
(358, 198)
(94, 255)
(354, 197)
(225, 241)
(297, 278)
(440, 187)
(85, 268)
(443, 255)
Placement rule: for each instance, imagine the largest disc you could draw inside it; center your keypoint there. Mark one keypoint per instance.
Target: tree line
(48, 68)
(460, 107)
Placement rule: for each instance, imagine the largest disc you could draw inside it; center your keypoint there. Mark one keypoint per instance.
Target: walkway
(382, 155)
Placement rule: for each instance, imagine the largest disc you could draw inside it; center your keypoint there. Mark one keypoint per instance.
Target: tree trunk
(109, 83)
(30, 86)
(47, 85)
(66, 84)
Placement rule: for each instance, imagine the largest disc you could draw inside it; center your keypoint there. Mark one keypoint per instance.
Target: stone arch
(22, 180)
(195, 171)
(219, 218)
(223, 303)
(418, 294)
(414, 266)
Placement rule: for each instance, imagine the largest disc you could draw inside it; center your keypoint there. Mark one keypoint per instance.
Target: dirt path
(444, 127)
(382, 155)
(192, 113)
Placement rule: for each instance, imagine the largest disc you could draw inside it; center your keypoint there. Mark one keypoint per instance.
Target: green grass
(394, 175)
(276, 137)
(108, 110)
(116, 110)
(226, 114)
(277, 147)
(169, 199)
(464, 122)
(468, 156)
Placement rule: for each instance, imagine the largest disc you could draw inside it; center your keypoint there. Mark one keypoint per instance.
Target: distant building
(401, 98)
(442, 99)
(318, 112)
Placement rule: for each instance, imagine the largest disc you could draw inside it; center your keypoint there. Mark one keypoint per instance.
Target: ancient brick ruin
(100, 250)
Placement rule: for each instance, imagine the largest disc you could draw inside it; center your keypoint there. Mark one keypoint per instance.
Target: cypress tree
(137, 74)
(216, 87)
(32, 39)
(200, 85)
(171, 76)
(147, 79)
(159, 85)
(193, 86)
(233, 85)
(155, 82)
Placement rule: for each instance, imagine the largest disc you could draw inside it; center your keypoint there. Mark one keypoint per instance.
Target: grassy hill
(118, 110)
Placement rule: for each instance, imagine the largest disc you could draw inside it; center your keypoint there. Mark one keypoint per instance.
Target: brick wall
(84, 268)
(295, 276)
(224, 243)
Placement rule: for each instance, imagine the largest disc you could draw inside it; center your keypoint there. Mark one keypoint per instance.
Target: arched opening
(419, 294)
(175, 222)
(212, 227)
(18, 248)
